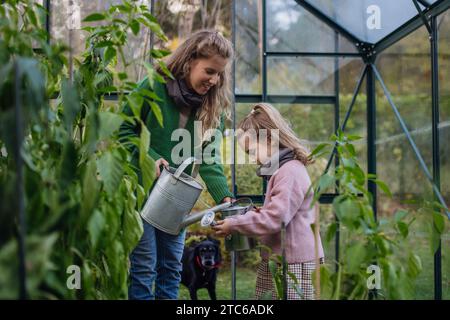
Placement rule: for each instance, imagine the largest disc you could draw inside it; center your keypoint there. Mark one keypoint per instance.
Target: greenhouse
(99, 193)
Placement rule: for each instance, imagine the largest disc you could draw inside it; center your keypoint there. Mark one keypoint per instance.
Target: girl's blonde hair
(205, 44)
(265, 116)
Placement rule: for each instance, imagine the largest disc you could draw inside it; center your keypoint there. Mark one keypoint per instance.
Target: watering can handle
(184, 165)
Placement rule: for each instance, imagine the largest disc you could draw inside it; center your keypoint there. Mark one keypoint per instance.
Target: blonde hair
(265, 116)
(205, 44)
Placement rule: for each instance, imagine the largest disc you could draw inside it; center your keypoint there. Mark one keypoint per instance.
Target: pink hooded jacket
(286, 200)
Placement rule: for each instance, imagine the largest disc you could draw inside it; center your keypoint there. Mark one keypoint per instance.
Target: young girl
(286, 201)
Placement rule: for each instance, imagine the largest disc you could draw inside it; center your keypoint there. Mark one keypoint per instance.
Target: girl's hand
(222, 228)
(158, 163)
(228, 199)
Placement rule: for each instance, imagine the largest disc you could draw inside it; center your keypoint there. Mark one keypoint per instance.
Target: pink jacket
(286, 201)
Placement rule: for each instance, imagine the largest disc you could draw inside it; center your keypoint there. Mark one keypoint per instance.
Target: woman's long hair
(205, 44)
(265, 116)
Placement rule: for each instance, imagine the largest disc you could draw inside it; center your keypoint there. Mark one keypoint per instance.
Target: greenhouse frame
(339, 37)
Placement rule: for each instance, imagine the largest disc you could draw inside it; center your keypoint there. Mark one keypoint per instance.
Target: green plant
(366, 241)
(82, 193)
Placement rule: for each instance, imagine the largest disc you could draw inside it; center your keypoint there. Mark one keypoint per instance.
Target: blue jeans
(156, 260)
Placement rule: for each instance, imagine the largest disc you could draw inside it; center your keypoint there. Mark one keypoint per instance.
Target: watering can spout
(195, 217)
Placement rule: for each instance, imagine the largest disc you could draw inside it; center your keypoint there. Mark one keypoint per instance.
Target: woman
(199, 92)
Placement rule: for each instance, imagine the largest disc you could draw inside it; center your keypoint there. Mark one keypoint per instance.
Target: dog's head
(207, 253)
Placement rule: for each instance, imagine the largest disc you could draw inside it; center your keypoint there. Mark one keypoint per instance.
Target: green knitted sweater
(161, 145)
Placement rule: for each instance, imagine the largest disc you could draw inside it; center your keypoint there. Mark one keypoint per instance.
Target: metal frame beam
(47, 6)
(20, 188)
(233, 168)
(255, 98)
(411, 25)
(312, 54)
(435, 143)
(371, 136)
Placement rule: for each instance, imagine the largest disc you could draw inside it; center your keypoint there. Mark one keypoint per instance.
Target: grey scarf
(266, 170)
(182, 95)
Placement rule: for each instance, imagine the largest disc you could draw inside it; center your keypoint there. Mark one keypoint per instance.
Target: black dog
(200, 266)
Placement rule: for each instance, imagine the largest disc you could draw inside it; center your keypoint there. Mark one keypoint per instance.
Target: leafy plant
(82, 192)
(366, 241)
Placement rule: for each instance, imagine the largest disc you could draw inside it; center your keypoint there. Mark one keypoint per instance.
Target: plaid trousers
(302, 271)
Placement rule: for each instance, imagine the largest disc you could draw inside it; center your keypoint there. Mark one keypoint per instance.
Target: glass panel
(444, 136)
(360, 17)
(178, 19)
(405, 68)
(357, 122)
(66, 24)
(246, 179)
(292, 28)
(248, 44)
(303, 75)
(300, 76)
(313, 124)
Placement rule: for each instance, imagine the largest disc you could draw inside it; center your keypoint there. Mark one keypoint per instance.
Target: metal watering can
(172, 199)
(236, 241)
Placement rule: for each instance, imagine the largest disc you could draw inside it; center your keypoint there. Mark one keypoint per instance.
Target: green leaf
(135, 101)
(439, 222)
(355, 256)
(110, 53)
(159, 53)
(96, 225)
(351, 150)
(153, 26)
(153, 75)
(104, 43)
(156, 110)
(146, 163)
(150, 94)
(94, 17)
(91, 189)
(400, 214)
(403, 228)
(325, 181)
(353, 137)
(331, 232)
(383, 187)
(122, 75)
(347, 210)
(164, 69)
(132, 222)
(414, 265)
(109, 123)
(68, 169)
(111, 171)
(134, 25)
(318, 149)
(70, 104)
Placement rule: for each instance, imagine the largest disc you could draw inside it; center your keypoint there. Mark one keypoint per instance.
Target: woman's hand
(158, 163)
(222, 228)
(228, 199)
